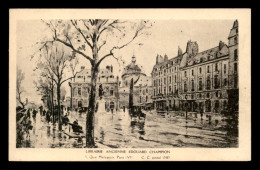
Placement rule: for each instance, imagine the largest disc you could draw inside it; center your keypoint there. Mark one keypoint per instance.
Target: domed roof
(133, 68)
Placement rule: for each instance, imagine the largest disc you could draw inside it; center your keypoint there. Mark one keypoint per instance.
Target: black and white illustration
(115, 83)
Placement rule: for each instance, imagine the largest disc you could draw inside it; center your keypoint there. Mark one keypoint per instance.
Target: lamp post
(186, 97)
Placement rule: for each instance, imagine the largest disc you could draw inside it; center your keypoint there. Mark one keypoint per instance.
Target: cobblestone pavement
(157, 131)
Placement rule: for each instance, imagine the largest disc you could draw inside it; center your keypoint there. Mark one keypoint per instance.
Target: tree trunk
(59, 109)
(90, 143)
(52, 104)
(91, 110)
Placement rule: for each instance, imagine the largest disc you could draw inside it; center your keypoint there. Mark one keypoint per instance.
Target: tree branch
(77, 51)
(79, 30)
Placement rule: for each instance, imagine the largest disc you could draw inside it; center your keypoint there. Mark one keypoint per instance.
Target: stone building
(198, 81)
(204, 78)
(142, 86)
(166, 82)
(233, 67)
(80, 87)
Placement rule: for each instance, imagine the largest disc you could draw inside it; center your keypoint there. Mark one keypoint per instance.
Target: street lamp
(186, 97)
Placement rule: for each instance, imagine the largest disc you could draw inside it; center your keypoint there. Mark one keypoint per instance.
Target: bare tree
(54, 63)
(45, 87)
(87, 38)
(19, 88)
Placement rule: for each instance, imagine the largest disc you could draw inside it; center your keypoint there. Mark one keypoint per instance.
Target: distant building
(142, 86)
(81, 85)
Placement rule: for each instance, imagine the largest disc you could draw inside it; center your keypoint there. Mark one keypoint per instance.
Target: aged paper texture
(130, 85)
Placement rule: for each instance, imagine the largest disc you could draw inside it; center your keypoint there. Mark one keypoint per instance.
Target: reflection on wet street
(157, 131)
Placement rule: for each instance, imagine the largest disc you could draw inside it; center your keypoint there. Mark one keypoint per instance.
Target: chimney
(157, 59)
(221, 45)
(179, 51)
(165, 58)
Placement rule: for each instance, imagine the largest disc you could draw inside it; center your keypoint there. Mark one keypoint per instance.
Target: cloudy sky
(166, 36)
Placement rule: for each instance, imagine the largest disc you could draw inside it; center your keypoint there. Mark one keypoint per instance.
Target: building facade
(142, 89)
(166, 82)
(80, 87)
(198, 81)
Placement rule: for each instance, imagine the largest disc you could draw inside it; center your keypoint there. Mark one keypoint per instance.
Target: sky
(165, 37)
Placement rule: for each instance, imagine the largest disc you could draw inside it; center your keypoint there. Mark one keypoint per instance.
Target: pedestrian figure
(124, 108)
(112, 107)
(216, 122)
(209, 116)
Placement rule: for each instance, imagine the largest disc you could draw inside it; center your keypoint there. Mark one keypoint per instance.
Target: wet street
(157, 131)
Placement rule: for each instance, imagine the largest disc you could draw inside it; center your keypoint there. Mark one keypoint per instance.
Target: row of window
(208, 84)
(208, 70)
(79, 92)
(159, 81)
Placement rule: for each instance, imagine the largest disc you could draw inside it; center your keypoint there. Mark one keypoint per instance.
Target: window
(170, 89)
(192, 85)
(79, 91)
(200, 84)
(208, 69)
(225, 82)
(236, 30)
(175, 88)
(200, 70)
(164, 80)
(170, 79)
(235, 40)
(225, 68)
(146, 98)
(175, 78)
(185, 87)
(216, 67)
(216, 82)
(140, 99)
(146, 90)
(126, 83)
(207, 95)
(208, 83)
(235, 81)
(235, 55)
(154, 92)
(111, 92)
(192, 72)
(164, 90)
(185, 73)
(235, 67)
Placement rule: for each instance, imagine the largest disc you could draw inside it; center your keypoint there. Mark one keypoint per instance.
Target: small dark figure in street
(201, 114)
(34, 113)
(65, 120)
(209, 116)
(29, 113)
(124, 108)
(44, 112)
(96, 109)
(48, 118)
(112, 107)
